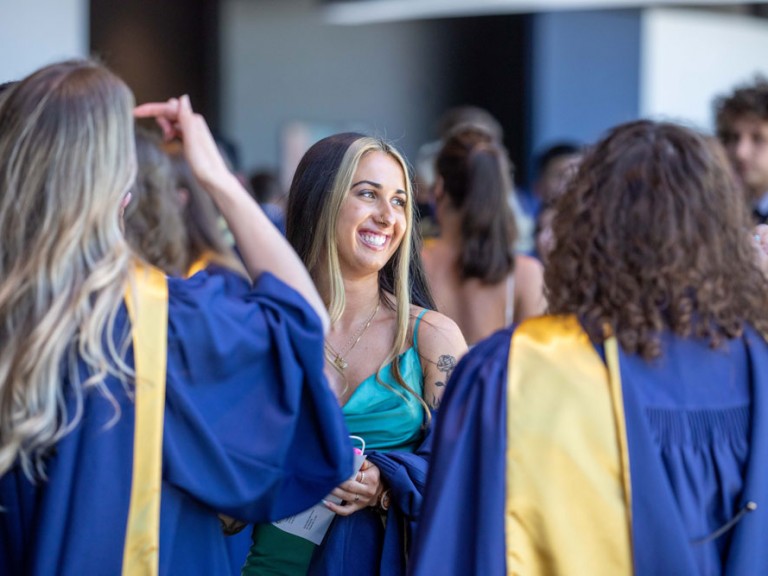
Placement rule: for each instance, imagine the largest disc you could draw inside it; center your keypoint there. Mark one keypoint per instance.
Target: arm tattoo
(445, 363)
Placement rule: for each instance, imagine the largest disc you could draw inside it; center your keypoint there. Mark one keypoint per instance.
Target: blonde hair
(66, 160)
(320, 185)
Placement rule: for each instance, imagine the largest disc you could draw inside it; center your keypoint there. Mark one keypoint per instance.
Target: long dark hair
(314, 200)
(476, 178)
(320, 185)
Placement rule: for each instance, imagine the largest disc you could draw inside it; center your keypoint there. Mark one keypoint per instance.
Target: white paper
(312, 524)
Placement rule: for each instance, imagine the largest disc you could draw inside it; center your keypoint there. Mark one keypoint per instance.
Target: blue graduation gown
(359, 544)
(463, 528)
(238, 286)
(251, 430)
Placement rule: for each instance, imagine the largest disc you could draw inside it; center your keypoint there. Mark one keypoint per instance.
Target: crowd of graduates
(371, 377)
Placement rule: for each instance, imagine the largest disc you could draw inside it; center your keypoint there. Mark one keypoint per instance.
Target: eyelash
(370, 194)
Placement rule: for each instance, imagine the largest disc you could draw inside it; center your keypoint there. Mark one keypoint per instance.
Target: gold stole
(200, 264)
(146, 298)
(568, 500)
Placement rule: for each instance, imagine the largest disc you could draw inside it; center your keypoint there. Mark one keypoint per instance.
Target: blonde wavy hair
(320, 185)
(66, 161)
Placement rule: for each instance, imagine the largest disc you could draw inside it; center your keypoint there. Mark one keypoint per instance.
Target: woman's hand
(362, 491)
(177, 120)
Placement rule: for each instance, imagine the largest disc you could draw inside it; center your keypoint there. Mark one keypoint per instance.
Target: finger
(342, 493)
(168, 129)
(164, 113)
(350, 485)
(185, 112)
(185, 102)
(344, 510)
(151, 109)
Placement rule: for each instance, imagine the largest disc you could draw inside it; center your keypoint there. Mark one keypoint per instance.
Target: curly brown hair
(746, 100)
(648, 237)
(153, 220)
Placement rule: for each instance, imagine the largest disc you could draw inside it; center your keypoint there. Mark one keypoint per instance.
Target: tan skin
(371, 226)
(476, 307)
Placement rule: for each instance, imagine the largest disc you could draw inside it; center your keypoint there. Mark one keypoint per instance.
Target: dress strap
(509, 307)
(416, 330)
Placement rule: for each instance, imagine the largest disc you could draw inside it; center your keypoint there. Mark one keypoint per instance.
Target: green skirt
(277, 553)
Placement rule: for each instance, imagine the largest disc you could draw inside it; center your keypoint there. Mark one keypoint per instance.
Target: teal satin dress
(388, 418)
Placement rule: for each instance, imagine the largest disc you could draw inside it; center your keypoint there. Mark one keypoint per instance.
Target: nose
(742, 148)
(386, 214)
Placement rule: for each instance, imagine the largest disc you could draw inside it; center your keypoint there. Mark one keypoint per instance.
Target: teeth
(374, 239)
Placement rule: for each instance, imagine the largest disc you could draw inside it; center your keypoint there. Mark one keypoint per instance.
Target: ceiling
(352, 12)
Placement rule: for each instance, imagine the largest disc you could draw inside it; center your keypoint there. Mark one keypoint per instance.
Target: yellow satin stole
(568, 500)
(146, 298)
(200, 264)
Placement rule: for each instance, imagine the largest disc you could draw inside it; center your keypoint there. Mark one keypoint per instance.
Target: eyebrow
(376, 185)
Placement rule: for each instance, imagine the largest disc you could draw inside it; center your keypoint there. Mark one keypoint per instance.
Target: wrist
(223, 185)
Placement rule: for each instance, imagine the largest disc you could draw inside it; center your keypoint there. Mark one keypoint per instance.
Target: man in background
(742, 127)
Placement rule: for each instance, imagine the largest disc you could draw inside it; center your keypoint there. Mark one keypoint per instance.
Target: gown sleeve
(461, 530)
(252, 429)
(358, 544)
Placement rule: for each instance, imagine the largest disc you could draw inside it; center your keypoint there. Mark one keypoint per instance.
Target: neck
(450, 226)
(361, 295)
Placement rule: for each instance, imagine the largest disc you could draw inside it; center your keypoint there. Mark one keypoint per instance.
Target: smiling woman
(372, 220)
(389, 355)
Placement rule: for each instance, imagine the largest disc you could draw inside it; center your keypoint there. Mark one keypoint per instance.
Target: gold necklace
(337, 358)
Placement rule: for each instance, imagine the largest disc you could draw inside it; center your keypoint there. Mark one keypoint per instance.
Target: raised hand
(177, 120)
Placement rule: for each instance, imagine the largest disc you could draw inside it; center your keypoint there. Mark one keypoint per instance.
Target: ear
(125, 201)
(438, 188)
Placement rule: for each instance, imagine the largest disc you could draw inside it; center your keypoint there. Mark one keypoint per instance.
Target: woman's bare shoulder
(528, 265)
(438, 332)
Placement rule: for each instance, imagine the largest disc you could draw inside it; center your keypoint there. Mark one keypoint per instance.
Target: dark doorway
(161, 49)
(486, 63)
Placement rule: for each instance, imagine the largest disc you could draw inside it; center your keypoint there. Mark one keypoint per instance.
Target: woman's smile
(373, 239)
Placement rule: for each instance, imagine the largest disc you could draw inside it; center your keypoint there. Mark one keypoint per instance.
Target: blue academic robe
(251, 430)
(465, 525)
(359, 544)
(238, 286)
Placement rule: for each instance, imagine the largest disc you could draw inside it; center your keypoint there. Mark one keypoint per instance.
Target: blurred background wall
(272, 75)
(35, 32)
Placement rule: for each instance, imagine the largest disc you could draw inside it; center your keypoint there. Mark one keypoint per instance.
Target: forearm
(262, 246)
